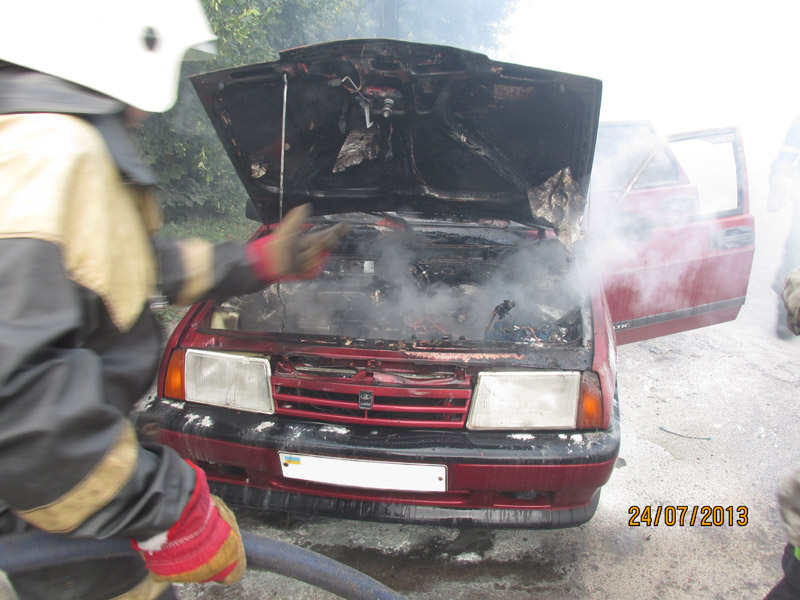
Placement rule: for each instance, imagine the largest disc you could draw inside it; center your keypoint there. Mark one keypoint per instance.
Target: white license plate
(380, 475)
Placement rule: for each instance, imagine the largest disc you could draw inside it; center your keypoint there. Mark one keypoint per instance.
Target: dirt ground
(735, 384)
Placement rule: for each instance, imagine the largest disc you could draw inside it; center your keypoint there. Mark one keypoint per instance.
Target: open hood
(382, 125)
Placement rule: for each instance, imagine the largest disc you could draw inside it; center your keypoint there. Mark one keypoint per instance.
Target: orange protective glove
(288, 252)
(203, 545)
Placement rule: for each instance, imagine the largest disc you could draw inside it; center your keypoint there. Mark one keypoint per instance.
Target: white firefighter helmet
(131, 51)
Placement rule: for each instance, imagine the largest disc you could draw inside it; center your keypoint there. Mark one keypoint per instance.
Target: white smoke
(683, 65)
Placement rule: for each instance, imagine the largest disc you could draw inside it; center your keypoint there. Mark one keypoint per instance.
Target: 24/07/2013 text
(681, 515)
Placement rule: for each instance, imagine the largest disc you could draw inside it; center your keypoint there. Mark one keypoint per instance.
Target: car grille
(432, 406)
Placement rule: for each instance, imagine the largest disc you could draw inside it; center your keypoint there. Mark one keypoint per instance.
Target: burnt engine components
(412, 286)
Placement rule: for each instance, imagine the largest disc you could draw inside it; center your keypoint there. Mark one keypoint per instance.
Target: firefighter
(78, 263)
(784, 189)
(789, 494)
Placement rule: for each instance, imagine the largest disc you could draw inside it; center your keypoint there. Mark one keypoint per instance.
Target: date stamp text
(672, 515)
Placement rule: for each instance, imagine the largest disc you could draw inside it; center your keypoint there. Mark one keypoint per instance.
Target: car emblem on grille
(365, 399)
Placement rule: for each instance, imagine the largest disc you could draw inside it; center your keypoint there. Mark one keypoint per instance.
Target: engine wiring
(500, 311)
(420, 326)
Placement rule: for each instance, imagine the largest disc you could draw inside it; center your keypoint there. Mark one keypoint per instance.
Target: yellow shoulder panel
(58, 183)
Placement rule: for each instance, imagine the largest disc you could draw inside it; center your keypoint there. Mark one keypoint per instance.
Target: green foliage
(214, 229)
(196, 177)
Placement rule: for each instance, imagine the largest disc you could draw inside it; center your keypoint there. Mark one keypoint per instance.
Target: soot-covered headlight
(234, 381)
(536, 400)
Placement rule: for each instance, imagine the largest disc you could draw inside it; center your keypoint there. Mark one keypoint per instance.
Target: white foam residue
(562, 436)
(577, 438)
(468, 558)
(264, 425)
(334, 429)
(521, 436)
(207, 421)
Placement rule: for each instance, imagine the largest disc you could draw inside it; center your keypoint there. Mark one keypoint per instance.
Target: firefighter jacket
(79, 344)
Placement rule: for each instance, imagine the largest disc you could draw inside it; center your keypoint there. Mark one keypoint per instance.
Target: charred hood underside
(380, 125)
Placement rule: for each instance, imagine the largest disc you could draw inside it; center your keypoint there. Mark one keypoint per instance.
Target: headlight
(231, 380)
(536, 400)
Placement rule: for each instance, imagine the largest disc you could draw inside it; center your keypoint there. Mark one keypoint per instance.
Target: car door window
(686, 177)
(710, 168)
(662, 169)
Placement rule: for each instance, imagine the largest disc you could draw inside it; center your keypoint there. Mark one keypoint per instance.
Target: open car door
(672, 220)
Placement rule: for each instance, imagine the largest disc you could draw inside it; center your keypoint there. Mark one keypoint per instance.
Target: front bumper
(495, 479)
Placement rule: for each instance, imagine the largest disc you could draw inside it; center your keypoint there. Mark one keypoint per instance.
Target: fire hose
(21, 553)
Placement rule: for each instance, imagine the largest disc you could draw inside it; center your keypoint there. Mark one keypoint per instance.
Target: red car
(455, 362)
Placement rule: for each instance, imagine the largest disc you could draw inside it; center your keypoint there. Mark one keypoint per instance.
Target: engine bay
(430, 284)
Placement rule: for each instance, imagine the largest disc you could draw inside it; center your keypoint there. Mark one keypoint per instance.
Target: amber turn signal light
(590, 405)
(174, 384)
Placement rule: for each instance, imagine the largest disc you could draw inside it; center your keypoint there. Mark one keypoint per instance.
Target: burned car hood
(381, 125)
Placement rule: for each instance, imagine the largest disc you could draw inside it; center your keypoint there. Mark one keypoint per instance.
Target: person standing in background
(788, 588)
(784, 189)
